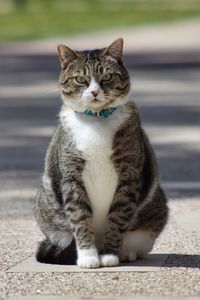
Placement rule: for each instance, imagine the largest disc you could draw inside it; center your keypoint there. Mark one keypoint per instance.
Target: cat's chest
(94, 139)
(99, 176)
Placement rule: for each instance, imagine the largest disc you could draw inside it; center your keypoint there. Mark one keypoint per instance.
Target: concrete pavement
(167, 92)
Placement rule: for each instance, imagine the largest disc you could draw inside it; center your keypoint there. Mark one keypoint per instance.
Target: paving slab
(153, 262)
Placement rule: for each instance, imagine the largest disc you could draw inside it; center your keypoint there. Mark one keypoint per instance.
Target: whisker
(78, 101)
(114, 94)
(121, 104)
(125, 111)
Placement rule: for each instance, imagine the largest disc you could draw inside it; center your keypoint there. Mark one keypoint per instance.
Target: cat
(100, 202)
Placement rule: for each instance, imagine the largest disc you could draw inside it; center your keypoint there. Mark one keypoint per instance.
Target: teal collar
(104, 113)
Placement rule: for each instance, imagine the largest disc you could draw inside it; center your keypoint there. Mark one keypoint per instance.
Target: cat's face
(93, 79)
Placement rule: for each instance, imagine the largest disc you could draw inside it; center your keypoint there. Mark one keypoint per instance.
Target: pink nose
(94, 93)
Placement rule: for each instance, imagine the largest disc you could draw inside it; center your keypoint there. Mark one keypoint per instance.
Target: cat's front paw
(89, 262)
(109, 260)
(88, 258)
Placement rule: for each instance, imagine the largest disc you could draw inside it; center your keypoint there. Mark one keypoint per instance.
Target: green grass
(42, 23)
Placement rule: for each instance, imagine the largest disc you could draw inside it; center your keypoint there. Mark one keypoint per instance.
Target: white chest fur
(94, 138)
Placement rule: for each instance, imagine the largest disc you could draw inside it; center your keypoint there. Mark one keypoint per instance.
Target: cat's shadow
(171, 260)
(164, 260)
(182, 261)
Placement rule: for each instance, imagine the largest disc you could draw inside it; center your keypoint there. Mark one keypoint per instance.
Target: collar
(104, 113)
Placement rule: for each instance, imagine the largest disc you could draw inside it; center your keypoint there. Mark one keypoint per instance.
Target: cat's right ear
(66, 55)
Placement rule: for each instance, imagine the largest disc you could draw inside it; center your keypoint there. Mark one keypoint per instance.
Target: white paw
(88, 258)
(109, 260)
(89, 262)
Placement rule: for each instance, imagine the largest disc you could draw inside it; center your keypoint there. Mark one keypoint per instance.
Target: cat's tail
(51, 254)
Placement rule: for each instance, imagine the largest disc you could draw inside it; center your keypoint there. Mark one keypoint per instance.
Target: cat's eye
(107, 77)
(80, 79)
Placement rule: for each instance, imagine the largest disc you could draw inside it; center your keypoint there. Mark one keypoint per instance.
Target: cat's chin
(96, 105)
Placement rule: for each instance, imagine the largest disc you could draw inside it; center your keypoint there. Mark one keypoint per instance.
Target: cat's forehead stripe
(87, 69)
(92, 68)
(91, 55)
(93, 64)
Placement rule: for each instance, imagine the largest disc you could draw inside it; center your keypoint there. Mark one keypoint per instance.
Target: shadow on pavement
(183, 261)
(27, 121)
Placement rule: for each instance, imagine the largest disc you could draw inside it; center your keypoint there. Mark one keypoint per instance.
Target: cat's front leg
(79, 212)
(87, 252)
(121, 211)
(112, 242)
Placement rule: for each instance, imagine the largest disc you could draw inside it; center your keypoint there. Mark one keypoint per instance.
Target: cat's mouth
(96, 104)
(95, 100)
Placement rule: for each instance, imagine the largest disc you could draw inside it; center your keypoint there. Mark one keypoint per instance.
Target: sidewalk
(168, 99)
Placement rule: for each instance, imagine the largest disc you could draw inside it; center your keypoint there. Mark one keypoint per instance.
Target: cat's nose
(94, 93)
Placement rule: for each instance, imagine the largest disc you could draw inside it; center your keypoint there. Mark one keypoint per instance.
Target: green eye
(107, 77)
(80, 79)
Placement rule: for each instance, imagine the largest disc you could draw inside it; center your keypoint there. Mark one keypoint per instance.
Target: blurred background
(28, 19)
(162, 53)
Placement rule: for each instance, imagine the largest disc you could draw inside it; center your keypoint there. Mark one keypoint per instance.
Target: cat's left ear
(66, 55)
(115, 49)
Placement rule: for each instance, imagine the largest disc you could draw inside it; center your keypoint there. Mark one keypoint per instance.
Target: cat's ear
(115, 49)
(66, 55)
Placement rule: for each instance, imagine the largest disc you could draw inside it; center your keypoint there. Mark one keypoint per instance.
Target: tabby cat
(100, 201)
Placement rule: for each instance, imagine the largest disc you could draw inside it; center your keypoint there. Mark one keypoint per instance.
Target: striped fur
(100, 199)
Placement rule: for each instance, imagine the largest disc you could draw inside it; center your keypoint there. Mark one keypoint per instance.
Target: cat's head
(93, 79)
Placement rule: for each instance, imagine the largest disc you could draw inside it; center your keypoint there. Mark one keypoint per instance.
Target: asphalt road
(167, 94)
